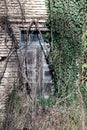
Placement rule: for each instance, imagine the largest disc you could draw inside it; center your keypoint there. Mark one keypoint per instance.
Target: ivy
(66, 21)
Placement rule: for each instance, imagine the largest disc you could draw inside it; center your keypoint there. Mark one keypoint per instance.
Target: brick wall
(19, 13)
(28, 9)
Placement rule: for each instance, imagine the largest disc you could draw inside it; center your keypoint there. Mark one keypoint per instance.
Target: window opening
(23, 36)
(32, 35)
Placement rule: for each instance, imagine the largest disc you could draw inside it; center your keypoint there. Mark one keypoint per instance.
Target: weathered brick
(19, 14)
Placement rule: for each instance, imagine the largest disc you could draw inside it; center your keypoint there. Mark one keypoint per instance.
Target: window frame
(32, 31)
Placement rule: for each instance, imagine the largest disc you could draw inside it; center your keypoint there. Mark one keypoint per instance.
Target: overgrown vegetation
(67, 109)
(68, 56)
(66, 22)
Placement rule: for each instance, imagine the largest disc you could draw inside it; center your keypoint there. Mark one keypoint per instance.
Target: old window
(37, 69)
(33, 34)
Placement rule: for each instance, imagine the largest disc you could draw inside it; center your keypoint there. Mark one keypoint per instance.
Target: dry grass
(60, 118)
(30, 114)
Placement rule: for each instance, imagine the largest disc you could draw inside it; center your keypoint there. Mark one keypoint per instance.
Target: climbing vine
(66, 22)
